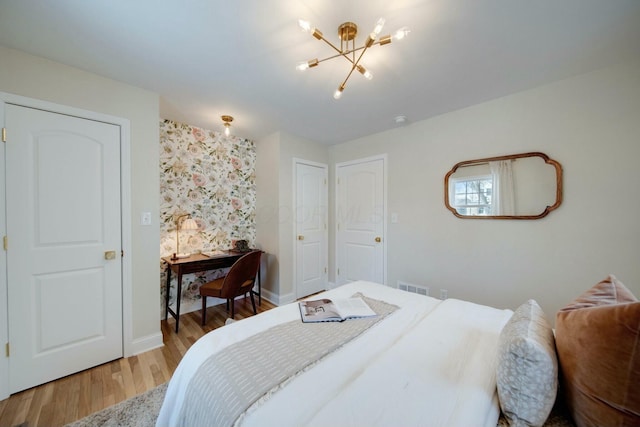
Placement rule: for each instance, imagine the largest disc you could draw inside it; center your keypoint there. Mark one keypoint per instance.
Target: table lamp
(186, 224)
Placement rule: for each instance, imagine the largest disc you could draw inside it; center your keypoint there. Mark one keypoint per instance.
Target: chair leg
(233, 306)
(204, 309)
(253, 303)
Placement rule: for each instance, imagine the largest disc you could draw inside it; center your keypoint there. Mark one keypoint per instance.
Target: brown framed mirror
(517, 186)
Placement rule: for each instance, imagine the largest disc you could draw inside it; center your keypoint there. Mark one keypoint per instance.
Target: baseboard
(276, 299)
(147, 343)
(286, 298)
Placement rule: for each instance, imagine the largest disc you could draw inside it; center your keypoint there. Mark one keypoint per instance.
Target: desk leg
(166, 295)
(178, 298)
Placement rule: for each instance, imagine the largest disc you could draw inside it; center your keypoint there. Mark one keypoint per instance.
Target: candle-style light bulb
(379, 26)
(305, 25)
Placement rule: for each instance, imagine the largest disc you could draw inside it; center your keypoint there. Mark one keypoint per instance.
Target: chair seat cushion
(213, 288)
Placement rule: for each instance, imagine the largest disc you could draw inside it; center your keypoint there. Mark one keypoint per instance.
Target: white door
(64, 244)
(360, 221)
(311, 228)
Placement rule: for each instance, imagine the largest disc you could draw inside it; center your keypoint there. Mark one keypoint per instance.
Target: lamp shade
(189, 224)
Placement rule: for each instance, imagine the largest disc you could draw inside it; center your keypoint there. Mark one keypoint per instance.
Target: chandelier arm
(340, 52)
(344, 83)
(355, 64)
(331, 44)
(345, 53)
(361, 47)
(336, 56)
(348, 52)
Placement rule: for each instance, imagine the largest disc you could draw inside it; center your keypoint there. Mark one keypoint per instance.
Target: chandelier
(226, 121)
(347, 33)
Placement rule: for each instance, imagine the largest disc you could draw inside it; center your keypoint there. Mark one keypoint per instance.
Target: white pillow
(527, 372)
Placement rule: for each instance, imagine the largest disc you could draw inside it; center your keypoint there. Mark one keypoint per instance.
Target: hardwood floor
(76, 396)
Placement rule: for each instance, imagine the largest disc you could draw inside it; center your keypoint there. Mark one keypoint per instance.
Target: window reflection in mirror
(472, 194)
(519, 186)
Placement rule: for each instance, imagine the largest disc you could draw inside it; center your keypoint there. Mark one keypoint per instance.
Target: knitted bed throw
(233, 379)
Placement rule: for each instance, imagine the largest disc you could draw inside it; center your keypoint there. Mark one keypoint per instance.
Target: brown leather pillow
(598, 346)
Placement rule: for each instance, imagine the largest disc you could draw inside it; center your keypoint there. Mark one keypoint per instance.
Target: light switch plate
(145, 218)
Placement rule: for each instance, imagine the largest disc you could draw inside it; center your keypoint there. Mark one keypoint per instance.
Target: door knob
(378, 239)
(300, 237)
(109, 255)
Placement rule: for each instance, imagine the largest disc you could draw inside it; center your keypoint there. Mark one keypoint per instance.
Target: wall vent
(416, 289)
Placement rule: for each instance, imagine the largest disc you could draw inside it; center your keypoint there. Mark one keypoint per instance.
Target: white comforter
(430, 363)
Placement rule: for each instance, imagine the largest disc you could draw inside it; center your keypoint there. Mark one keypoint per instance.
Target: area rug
(140, 411)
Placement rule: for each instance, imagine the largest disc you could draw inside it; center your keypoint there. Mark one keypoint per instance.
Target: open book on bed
(334, 310)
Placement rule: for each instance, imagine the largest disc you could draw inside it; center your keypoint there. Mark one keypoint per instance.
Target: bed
(428, 362)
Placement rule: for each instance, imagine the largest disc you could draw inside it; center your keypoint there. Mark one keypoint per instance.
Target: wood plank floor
(76, 396)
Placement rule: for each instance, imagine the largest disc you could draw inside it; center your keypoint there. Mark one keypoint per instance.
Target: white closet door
(64, 244)
(360, 221)
(311, 228)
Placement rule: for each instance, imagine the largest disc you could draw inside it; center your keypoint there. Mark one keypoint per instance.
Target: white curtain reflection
(503, 202)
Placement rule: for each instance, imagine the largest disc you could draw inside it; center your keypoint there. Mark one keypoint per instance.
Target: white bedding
(429, 363)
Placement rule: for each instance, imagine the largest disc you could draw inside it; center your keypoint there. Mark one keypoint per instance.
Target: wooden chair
(238, 281)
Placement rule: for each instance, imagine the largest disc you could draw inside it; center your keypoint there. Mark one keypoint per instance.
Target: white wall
(590, 124)
(267, 215)
(38, 78)
(276, 234)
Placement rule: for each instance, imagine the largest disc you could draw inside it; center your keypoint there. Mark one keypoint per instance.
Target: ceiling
(206, 58)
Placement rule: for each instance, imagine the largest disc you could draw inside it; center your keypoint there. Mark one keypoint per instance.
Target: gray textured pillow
(527, 372)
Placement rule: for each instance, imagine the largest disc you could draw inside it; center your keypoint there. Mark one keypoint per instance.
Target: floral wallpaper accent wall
(212, 177)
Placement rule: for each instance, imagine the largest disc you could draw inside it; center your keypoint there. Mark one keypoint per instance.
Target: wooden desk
(194, 264)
